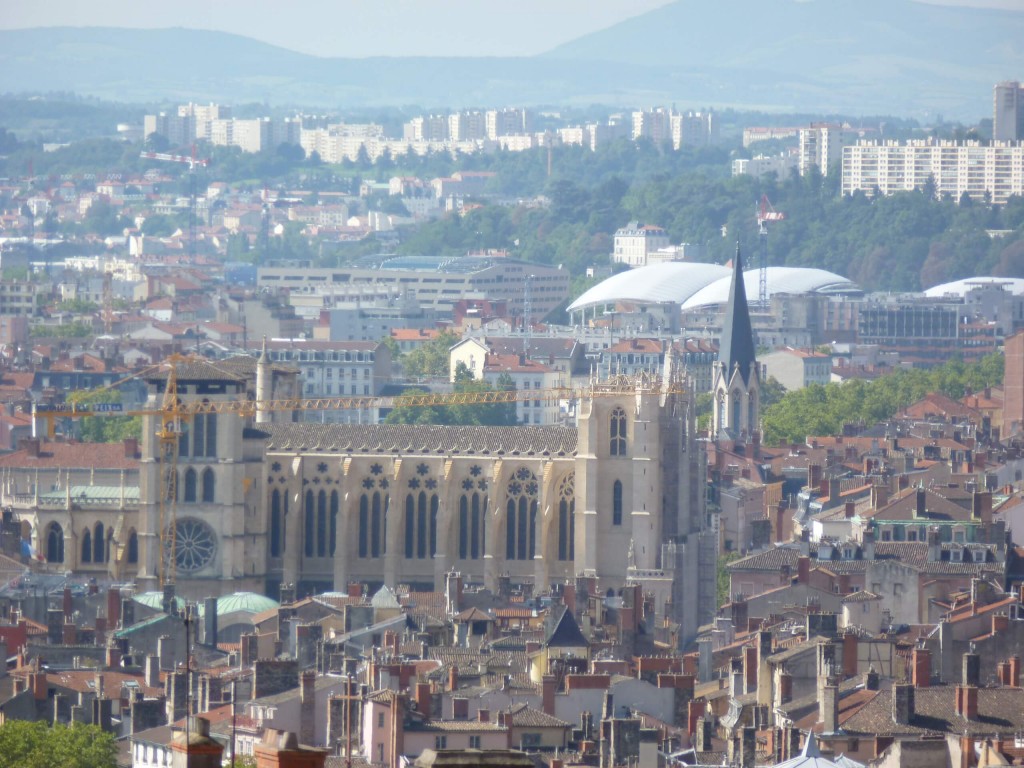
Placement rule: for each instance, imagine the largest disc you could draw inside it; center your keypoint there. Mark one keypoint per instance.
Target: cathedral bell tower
(737, 377)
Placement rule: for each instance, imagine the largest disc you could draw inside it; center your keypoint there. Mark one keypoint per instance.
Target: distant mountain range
(858, 57)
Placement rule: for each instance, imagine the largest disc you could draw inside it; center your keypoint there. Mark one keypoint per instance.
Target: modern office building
(438, 281)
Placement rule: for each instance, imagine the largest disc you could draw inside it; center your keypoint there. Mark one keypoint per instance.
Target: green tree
(393, 348)
(430, 359)
(491, 414)
(825, 409)
(75, 330)
(78, 306)
(418, 414)
(482, 414)
(771, 392)
(159, 225)
(26, 744)
(104, 429)
(102, 219)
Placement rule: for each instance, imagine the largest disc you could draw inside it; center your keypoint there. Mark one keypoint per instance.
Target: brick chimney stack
(967, 702)
(921, 664)
(902, 703)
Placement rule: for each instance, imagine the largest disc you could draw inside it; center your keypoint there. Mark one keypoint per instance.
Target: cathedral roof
(201, 370)
(737, 347)
(418, 438)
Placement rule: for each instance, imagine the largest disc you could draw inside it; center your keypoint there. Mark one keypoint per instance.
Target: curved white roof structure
(779, 280)
(658, 283)
(1014, 285)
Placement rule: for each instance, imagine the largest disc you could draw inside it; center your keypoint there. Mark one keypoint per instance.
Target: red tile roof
(72, 456)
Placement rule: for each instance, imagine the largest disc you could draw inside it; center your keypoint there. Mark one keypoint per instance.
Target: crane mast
(765, 213)
(167, 436)
(191, 161)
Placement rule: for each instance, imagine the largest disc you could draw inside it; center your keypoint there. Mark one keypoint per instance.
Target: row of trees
(103, 429)
(26, 744)
(824, 410)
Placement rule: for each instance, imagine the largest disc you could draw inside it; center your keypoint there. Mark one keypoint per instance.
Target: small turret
(264, 387)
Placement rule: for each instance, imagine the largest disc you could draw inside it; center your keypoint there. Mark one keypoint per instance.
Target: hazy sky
(367, 27)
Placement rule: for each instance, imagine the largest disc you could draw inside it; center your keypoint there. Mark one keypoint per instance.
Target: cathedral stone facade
(265, 497)
(268, 499)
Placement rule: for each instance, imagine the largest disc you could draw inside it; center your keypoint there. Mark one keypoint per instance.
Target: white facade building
(994, 171)
(633, 243)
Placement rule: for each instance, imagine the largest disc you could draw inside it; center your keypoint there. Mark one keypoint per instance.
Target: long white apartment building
(993, 171)
(215, 123)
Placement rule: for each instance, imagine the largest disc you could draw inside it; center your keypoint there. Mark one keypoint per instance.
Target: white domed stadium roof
(778, 280)
(1014, 285)
(673, 281)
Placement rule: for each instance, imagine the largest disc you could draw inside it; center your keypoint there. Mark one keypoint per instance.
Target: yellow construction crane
(168, 436)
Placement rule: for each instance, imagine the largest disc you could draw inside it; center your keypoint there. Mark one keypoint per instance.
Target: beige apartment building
(993, 171)
(635, 242)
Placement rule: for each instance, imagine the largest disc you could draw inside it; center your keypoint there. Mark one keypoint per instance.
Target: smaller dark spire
(737, 345)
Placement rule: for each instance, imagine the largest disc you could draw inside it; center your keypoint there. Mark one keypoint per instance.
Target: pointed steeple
(737, 345)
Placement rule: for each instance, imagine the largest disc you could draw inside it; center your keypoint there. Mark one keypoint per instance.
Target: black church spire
(737, 345)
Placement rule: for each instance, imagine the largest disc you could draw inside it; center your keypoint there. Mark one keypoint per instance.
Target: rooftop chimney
(879, 496)
(902, 703)
(803, 569)
(967, 702)
(829, 708)
(972, 669)
(921, 664)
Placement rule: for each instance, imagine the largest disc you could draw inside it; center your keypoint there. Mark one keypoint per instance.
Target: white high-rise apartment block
(252, 135)
(179, 130)
(1008, 111)
(693, 129)
(654, 124)
(993, 172)
(203, 116)
(506, 122)
(821, 145)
